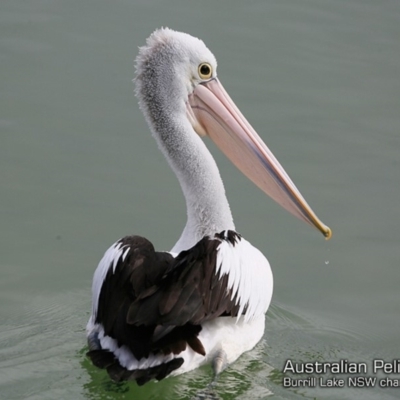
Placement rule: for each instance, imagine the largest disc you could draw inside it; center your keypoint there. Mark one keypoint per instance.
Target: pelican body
(156, 314)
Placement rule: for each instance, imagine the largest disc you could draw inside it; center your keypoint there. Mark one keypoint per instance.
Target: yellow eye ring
(205, 70)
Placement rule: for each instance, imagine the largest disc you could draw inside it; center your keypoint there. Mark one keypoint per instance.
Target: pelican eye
(205, 71)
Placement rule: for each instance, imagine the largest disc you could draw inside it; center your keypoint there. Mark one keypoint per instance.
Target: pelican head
(177, 81)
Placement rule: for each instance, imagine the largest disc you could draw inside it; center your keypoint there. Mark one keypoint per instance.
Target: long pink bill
(212, 112)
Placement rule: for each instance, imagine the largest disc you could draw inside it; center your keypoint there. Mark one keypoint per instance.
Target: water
(79, 169)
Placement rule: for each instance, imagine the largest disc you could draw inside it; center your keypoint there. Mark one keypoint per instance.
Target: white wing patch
(110, 258)
(249, 276)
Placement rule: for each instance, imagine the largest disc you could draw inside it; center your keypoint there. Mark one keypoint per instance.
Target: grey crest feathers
(166, 67)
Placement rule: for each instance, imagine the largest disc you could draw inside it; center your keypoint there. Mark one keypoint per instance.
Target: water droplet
(326, 262)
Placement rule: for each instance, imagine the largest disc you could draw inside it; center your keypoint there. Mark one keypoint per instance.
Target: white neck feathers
(162, 92)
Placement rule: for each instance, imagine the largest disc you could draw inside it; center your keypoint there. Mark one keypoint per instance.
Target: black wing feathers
(191, 293)
(140, 269)
(106, 360)
(154, 303)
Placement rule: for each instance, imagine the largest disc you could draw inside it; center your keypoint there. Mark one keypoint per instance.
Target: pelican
(158, 314)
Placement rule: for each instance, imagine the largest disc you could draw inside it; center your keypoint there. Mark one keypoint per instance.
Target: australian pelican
(155, 313)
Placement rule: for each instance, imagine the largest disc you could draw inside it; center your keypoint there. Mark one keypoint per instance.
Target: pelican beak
(213, 113)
